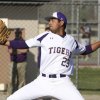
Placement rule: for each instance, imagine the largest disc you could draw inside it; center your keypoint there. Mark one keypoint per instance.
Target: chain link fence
(30, 17)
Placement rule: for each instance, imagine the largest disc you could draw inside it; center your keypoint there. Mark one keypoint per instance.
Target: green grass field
(88, 80)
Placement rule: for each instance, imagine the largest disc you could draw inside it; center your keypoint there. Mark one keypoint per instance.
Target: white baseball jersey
(55, 52)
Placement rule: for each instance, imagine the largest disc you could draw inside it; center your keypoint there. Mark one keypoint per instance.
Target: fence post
(98, 30)
(77, 58)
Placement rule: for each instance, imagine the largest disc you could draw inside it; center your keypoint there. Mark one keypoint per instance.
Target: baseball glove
(4, 33)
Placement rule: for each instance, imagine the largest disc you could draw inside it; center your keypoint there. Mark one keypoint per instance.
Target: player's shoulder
(44, 33)
(68, 36)
(41, 36)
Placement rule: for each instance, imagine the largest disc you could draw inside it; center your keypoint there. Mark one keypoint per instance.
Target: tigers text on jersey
(55, 52)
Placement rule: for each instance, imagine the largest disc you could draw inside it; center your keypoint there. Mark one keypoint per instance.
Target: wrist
(7, 43)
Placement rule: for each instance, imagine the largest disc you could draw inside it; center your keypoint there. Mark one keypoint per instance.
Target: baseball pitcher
(56, 49)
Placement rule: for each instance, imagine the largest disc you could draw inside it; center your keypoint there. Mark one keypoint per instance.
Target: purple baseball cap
(57, 15)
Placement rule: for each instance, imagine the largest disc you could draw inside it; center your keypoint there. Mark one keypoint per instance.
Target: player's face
(54, 25)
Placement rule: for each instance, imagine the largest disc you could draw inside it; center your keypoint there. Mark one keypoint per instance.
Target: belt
(53, 75)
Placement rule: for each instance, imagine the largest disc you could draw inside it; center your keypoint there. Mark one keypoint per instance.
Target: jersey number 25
(65, 62)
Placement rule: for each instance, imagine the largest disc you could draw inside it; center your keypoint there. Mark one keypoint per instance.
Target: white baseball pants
(61, 88)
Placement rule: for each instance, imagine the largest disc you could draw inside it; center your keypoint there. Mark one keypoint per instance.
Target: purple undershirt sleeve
(88, 50)
(18, 44)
